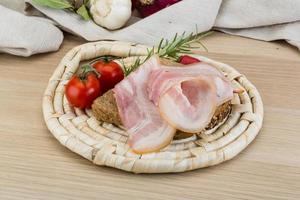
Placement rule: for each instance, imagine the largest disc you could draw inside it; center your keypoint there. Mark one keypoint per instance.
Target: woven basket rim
(104, 144)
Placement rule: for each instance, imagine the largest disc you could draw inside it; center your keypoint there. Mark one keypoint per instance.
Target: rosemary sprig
(137, 62)
(131, 68)
(173, 49)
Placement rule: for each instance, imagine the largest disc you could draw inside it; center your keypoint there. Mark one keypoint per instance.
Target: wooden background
(33, 165)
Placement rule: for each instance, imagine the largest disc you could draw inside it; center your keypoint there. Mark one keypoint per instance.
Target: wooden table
(33, 165)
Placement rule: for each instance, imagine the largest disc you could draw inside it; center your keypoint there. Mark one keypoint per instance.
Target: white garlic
(111, 14)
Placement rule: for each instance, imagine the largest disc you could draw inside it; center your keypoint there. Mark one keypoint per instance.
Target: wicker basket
(105, 144)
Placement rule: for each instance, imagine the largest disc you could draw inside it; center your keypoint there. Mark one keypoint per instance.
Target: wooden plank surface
(33, 165)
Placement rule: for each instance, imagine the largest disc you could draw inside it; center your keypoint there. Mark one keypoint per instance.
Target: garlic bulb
(111, 14)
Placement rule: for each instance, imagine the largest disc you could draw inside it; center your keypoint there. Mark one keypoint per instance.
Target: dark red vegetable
(186, 60)
(82, 90)
(110, 73)
(149, 7)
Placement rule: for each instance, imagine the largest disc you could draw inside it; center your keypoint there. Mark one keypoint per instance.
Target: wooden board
(33, 165)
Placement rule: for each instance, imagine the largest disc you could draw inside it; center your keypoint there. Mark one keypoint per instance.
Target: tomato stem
(105, 58)
(86, 69)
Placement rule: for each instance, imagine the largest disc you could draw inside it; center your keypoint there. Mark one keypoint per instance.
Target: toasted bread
(105, 109)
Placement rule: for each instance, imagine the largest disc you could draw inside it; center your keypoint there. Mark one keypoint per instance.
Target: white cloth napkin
(260, 19)
(175, 19)
(24, 35)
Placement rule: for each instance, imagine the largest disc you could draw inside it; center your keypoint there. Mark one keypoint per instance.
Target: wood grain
(33, 165)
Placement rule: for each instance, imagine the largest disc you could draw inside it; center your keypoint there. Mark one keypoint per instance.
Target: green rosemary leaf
(175, 37)
(182, 50)
(159, 45)
(57, 4)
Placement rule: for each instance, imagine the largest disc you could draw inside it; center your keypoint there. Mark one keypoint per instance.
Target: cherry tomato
(186, 60)
(82, 91)
(110, 73)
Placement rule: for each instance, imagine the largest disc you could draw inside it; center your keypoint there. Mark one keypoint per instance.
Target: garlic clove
(111, 14)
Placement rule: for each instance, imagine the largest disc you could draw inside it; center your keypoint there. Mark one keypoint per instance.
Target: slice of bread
(105, 109)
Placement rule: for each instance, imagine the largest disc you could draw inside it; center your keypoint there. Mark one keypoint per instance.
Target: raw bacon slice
(155, 100)
(147, 130)
(190, 104)
(162, 79)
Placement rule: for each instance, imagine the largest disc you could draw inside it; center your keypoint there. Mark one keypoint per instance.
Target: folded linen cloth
(259, 19)
(24, 35)
(175, 19)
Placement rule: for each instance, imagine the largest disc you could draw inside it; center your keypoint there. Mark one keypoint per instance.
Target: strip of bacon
(185, 95)
(147, 130)
(164, 78)
(190, 104)
(155, 100)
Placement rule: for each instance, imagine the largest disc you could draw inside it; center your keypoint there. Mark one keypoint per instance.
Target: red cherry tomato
(81, 92)
(186, 60)
(110, 73)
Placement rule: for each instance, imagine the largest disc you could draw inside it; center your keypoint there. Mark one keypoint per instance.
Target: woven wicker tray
(104, 144)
